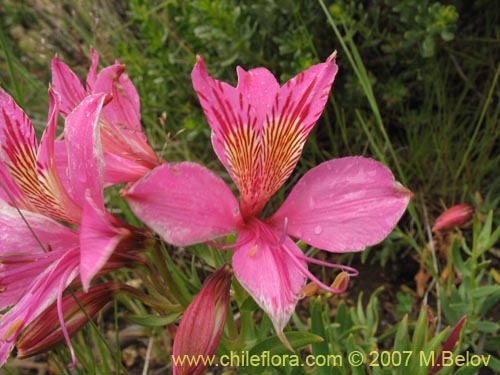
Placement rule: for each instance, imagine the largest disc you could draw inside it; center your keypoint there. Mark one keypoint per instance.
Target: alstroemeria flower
(126, 151)
(39, 257)
(258, 132)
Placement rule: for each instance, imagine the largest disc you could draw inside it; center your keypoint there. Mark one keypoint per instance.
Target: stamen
(238, 243)
(309, 290)
(253, 250)
(13, 329)
(307, 273)
(284, 232)
(351, 271)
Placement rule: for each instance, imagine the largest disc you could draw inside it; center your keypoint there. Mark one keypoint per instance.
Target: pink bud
(45, 332)
(202, 324)
(453, 217)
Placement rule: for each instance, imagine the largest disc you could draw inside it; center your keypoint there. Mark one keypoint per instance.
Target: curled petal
(270, 271)
(67, 85)
(83, 144)
(184, 203)
(344, 205)
(124, 109)
(98, 239)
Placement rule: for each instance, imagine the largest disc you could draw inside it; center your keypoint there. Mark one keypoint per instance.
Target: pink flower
(202, 324)
(258, 132)
(453, 217)
(39, 257)
(126, 151)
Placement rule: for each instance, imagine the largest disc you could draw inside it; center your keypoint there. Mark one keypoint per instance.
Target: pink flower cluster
(55, 229)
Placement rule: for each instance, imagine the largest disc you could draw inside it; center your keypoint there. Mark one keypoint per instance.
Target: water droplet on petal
(312, 202)
(318, 229)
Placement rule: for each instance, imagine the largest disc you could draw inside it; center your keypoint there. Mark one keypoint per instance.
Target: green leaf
(487, 327)
(352, 348)
(494, 364)
(318, 328)
(457, 259)
(401, 341)
(153, 320)
(485, 291)
(249, 304)
(272, 347)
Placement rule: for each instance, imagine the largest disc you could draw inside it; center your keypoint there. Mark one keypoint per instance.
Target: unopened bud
(453, 217)
(202, 324)
(45, 332)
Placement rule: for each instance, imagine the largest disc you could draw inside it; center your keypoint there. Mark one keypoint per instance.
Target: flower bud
(202, 324)
(45, 332)
(453, 217)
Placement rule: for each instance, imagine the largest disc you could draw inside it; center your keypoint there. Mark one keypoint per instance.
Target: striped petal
(31, 168)
(343, 205)
(258, 128)
(17, 154)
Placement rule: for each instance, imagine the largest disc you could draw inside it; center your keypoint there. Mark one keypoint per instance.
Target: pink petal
(17, 135)
(121, 169)
(61, 161)
(264, 266)
(67, 85)
(43, 292)
(26, 250)
(58, 203)
(82, 138)
(98, 240)
(185, 203)
(124, 109)
(30, 167)
(46, 153)
(259, 129)
(343, 205)
(92, 74)
(10, 191)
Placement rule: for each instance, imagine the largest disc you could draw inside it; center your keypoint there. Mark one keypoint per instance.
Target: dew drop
(318, 229)
(312, 202)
